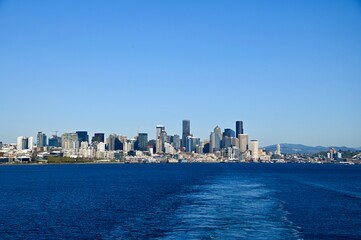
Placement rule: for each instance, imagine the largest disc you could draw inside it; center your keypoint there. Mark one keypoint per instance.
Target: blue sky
(291, 70)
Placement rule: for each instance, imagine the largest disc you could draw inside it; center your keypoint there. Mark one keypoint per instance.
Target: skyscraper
(215, 140)
(55, 141)
(41, 140)
(70, 141)
(228, 133)
(19, 143)
(82, 136)
(239, 128)
(142, 141)
(254, 149)
(176, 142)
(278, 150)
(243, 142)
(98, 137)
(159, 129)
(24, 143)
(186, 132)
(114, 143)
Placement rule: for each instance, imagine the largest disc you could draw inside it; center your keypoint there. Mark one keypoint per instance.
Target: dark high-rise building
(55, 141)
(98, 137)
(41, 140)
(82, 136)
(186, 132)
(25, 143)
(113, 143)
(142, 141)
(176, 141)
(239, 127)
(206, 148)
(228, 133)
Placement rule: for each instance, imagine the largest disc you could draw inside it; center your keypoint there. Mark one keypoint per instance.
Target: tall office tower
(98, 137)
(41, 140)
(228, 133)
(70, 141)
(186, 131)
(218, 130)
(1, 145)
(142, 141)
(24, 143)
(54, 141)
(114, 143)
(215, 140)
(82, 136)
(239, 128)
(243, 142)
(254, 149)
(159, 129)
(278, 151)
(176, 142)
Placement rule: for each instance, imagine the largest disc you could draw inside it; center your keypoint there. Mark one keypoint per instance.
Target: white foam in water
(232, 208)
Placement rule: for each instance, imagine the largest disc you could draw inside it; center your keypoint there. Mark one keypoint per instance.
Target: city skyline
(289, 70)
(99, 136)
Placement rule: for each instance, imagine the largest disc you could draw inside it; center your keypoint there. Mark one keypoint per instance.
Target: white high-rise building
(254, 149)
(19, 143)
(278, 151)
(69, 141)
(30, 143)
(243, 142)
(23, 143)
(101, 147)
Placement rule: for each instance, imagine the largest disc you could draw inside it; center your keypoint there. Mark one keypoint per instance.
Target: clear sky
(291, 70)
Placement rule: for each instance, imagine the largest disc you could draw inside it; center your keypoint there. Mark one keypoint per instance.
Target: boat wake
(230, 207)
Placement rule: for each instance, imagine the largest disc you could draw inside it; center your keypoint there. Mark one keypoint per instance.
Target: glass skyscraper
(239, 127)
(186, 132)
(142, 141)
(82, 136)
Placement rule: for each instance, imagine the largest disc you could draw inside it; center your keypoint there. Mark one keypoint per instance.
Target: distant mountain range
(299, 148)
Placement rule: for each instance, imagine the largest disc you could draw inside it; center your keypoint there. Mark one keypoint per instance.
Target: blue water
(181, 201)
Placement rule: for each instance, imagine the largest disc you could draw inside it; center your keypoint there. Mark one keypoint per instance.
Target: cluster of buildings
(222, 146)
(226, 145)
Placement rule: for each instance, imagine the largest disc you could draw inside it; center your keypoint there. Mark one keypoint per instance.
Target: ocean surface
(180, 201)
